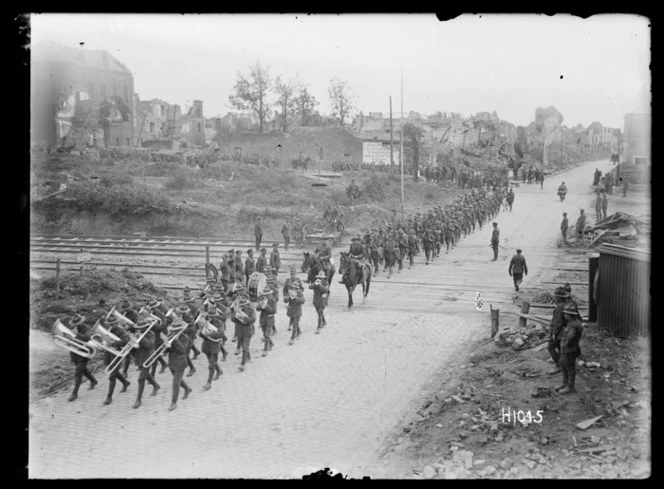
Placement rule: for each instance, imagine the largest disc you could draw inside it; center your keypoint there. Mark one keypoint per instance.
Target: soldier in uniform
(82, 331)
(402, 248)
(509, 198)
(274, 286)
(113, 326)
(569, 348)
(285, 232)
(294, 299)
(249, 265)
(390, 254)
(211, 347)
(580, 224)
(158, 329)
(224, 271)
(564, 225)
(193, 312)
(177, 364)
(598, 207)
(604, 204)
(126, 309)
(239, 266)
(295, 281)
(495, 240)
(411, 241)
(517, 268)
(258, 232)
(428, 243)
(244, 318)
(261, 261)
(275, 259)
(267, 305)
(143, 352)
(321, 290)
(556, 327)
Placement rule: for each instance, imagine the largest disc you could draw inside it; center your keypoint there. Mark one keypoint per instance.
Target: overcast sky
(594, 69)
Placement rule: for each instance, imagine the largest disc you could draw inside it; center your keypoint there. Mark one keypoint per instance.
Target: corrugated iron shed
(623, 290)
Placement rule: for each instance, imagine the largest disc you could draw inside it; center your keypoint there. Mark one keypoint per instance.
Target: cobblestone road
(330, 400)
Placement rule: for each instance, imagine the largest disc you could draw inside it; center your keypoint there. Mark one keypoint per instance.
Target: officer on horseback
(358, 253)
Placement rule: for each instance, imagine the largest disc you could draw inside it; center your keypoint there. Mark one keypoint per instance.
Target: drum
(257, 282)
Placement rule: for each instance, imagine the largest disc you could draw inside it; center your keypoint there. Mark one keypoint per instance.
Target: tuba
(103, 338)
(134, 340)
(66, 338)
(207, 328)
(124, 320)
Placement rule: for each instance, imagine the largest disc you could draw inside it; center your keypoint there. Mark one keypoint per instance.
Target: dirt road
(330, 400)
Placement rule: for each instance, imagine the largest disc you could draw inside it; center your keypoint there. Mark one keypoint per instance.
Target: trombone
(177, 322)
(134, 341)
(65, 338)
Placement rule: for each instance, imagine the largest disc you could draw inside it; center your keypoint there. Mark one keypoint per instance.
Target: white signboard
(376, 152)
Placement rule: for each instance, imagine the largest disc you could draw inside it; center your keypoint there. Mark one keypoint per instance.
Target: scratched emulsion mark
(479, 303)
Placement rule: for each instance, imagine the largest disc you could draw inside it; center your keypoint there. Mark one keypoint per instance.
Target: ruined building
(80, 97)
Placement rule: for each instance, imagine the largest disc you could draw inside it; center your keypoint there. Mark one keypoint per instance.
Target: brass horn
(66, 338)
(178, 322)
(145, 312)
(124, 320)
(103, 338)
(207, 328)
(134, 341)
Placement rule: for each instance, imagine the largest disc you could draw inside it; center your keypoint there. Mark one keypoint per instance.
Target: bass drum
(257, 282)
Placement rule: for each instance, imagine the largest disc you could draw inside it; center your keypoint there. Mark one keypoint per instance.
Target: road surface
(330, 400)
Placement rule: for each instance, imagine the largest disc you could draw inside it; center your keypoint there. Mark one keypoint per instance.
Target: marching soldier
(267, 305)
(239, 266)
(212, 339)
(402, 247)
(412, 246)
(428, 243)
(321, 290)
(249, 264)
(517, 268)
(128, 311)
(294, 299)
(158, 329)
(261, 261)
(295, 281)
(509, 198)
(495, 239)
(177, 363)
(143, 351)
(191, 332)
(224, 270)
(273, 285)
(244, 318)
(275, 259)
(258, 232)
(219, 321)
(564, 225)
(230, 261)
(82, 331)
(569, 348)
(113, 327)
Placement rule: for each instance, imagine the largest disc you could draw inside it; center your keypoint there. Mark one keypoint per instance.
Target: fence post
(80, 271)
(57, 278)
(207, 255)
(495, 320)
(525, 309)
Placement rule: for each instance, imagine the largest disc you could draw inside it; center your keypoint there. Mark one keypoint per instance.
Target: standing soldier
(556, 327)
(580, 224)
(258, 232)
(624, 186)
(542, 179)
(80, 363)
(177, 363)
(569, 348)
(249, 265)
(598, 207)
(285, 232)
(605, 205)
(294, 299)
(517, 268)
(261, 261)
(275, 259)
(212, 339)
(267, 305)
(244, 318)
(143, 352)
(495, 240)
(564, 225)
(321, 290)
(113, 327)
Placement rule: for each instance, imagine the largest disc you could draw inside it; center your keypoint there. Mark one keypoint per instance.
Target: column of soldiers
(201, 315)
(442, 226)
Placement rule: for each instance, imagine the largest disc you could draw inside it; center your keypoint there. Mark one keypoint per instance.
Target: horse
(351, 272)
(312, 264)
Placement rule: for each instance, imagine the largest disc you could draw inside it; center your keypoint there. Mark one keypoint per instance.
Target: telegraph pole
(391, 138)
(402, 216)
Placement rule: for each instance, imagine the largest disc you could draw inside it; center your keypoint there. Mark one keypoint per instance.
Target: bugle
(66, 338)
(134, 341)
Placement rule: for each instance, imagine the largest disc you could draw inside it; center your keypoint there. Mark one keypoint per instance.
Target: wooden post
(80, 271)
(525, 308)
(57, 278)
(207, 255)
(495, 320)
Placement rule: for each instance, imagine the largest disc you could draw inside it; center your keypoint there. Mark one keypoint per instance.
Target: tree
(306, 105)
(414, 134)
(341, 100)
(251, 93)
(286, 99)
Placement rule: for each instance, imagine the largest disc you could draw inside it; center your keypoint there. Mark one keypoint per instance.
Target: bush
(181, 181)
(113, 180)
(162, 169)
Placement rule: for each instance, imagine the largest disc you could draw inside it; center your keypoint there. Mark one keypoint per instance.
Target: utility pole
(391, 139)
(402, 216)
(561, 147)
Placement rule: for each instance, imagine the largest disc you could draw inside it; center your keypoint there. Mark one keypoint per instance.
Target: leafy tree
(286, 100)
(305, 107)
(250, 93)
(341, 99)
(414, 135)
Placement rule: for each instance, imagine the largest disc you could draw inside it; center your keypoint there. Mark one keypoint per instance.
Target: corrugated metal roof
(623, 251)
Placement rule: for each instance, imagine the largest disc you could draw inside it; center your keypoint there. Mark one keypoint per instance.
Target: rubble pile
(519, 338)
(621, 228)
